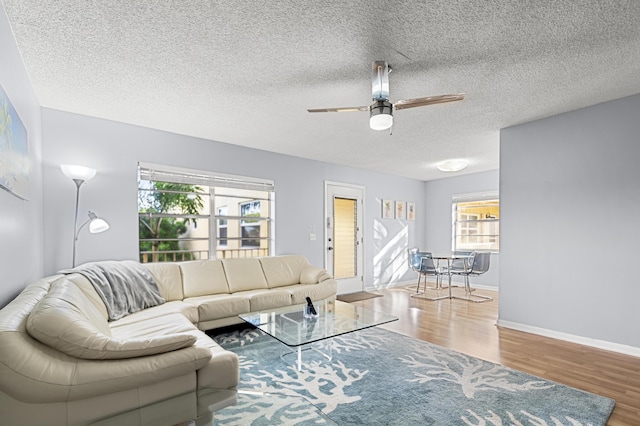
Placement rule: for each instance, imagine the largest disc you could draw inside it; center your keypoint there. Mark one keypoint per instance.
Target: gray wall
(114, 149)
(570, 197)
(438, 213)
(21, 255)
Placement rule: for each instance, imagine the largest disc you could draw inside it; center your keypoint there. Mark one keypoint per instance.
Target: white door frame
(349, 191)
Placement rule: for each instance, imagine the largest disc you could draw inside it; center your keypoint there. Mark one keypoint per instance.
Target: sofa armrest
(36, 373)
(100, 377)
(313, 275)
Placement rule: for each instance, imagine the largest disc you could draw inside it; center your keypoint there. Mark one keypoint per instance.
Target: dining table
(449, 258)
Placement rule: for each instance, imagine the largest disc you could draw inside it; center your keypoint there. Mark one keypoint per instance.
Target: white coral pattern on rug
(322, 384)
(239, 338)
(472, 374)
(355, 342)
(495, 420)
(275, 410)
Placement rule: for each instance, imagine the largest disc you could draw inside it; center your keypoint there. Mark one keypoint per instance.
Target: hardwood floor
(471, 328)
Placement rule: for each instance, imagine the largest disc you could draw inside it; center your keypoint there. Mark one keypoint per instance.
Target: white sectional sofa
(63, 362)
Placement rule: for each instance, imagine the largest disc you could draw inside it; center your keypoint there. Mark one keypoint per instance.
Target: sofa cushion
(283, 270)
(150, 327)
(244, 274)
(190, 312)
(220, 306)
(222, 370)
(324, 290)
(67, 321)
(169, 279)
(203, 277)
(261, 300)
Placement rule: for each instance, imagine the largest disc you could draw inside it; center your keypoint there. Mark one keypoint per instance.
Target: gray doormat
(354, 297)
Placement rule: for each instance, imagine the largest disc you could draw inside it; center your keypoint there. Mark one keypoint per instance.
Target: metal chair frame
(422, 263)
(480, 265)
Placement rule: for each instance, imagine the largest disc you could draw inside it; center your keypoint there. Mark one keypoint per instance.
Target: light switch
(312, 237)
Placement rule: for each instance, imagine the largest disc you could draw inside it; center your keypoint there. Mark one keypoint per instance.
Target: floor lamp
(79, 175)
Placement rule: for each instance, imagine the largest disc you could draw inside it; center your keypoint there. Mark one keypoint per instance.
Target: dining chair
(478, 263)
(458, 264)
(422, 263)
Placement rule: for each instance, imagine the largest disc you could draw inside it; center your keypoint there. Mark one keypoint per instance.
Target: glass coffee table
(295, 327)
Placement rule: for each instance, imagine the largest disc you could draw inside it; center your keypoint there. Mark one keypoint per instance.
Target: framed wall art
(411, 210)
(387, 209)
(400, 210)
(14, 157)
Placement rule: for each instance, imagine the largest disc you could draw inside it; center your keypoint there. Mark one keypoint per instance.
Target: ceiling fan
(381, 110)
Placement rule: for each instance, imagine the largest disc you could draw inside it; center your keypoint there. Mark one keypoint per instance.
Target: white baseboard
(391, 285)
(595, 343)
(432, 283)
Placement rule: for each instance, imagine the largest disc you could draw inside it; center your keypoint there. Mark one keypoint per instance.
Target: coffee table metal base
(305, 348)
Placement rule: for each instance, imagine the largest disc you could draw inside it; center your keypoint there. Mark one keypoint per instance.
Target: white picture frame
(387, 209)
(401, 211)
(411, 210)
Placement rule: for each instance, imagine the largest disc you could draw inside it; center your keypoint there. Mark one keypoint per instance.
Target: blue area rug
(378, 377)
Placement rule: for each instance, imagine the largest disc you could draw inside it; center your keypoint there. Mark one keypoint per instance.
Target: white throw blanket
(124, 286)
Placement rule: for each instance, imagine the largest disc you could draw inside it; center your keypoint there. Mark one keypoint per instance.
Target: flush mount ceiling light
(452, 165)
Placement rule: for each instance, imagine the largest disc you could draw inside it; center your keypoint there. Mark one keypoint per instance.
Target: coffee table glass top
(294, 327)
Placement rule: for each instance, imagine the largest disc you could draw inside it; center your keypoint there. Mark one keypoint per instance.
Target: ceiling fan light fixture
(381, 115)
(381, 111)
(452, 165)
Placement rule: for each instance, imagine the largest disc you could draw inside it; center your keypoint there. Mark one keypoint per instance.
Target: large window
(476, 222)
(189, 214)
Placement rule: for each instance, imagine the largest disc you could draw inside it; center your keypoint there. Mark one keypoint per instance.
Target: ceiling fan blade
(429, 100)
(341, 109)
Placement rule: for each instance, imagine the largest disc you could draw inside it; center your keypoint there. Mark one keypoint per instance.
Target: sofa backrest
(89, 292)
(244, 274)
(168, 276)
(203, 277)
(65, 318)
(283, 270)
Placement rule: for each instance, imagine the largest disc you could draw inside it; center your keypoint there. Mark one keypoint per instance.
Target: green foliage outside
(169, 198)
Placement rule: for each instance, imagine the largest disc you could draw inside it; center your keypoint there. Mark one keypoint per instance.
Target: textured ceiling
(245, 72)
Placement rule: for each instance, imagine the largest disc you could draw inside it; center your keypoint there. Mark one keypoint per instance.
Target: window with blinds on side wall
(476, 222)
(191, 214)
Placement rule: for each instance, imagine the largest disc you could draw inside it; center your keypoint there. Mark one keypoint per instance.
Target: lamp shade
(73, 171)
(97, 225)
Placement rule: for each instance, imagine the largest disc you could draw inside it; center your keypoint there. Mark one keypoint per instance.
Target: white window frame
(459, 228)
(213, 180)
(222, 211)
(245, 223)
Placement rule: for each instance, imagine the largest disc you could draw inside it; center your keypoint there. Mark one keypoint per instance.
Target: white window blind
(236, 218)
(154, 172)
